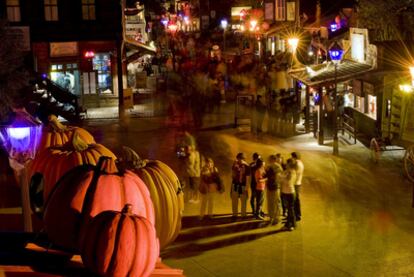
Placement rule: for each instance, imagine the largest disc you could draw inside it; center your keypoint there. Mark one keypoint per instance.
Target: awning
(325, 73)
(137, 50)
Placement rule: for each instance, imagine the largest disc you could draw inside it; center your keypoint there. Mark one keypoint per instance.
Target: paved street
(357, 216)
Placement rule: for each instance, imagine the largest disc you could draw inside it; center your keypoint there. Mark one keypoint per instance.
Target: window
(51, 10)
(280, 11)
(88, 10)
(101, 63)
(13, 10)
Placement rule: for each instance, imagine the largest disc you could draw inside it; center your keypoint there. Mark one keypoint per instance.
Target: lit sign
(358, 47)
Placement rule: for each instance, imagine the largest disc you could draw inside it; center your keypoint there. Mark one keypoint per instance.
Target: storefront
(86, 69)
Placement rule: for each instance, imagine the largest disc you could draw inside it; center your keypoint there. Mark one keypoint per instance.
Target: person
(287, 188)
(193, 171)
(298, 183)
(259, 113)
(210, 184)
(240, 171)
(273, 169)
(253, 168)
(260, 176)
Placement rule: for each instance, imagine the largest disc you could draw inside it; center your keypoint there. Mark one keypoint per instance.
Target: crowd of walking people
(276, 180)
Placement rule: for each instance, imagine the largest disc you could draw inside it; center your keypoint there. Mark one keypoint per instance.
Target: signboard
(141, 79)
(20, 35)
(357, 87)
(64, 49)
(368, 88)
(128, 99)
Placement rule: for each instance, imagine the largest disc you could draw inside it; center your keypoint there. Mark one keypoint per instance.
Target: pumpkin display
(88, 190)
(119, 244)
(57, 134)
(165, 190)
(53, 162)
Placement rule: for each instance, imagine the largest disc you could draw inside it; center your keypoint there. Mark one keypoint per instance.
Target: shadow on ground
(218, 232)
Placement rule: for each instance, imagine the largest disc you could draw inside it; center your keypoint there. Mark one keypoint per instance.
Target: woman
(260, 176)
(210, 185)
(287, 181)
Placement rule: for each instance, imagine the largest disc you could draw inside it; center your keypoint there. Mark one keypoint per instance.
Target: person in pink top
(260, 177)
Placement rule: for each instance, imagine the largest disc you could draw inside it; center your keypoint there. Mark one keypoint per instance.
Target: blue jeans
(289, 199)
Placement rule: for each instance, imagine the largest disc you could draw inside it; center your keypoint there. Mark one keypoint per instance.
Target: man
(253, 168)
(273, 169)
(193, 170)
(240, 171)
(298, 183)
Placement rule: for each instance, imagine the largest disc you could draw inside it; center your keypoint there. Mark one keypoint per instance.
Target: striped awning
(325, 73)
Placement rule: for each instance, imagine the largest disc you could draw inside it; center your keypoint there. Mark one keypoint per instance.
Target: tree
(386, 19)
(13, 74)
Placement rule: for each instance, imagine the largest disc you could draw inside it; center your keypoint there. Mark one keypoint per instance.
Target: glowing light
(89, 54)
(224, 23)
(412, 75)
(253, 24)
(19, 133)
(164, 22)
(293, 43)
(310, 53)
(334, 27)
(406, 88)
(336, 52)
(186, 20)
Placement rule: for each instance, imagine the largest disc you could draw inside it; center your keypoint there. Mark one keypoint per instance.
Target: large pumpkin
(119, 244)
(57, 134)
(53, 162)
(86, 191)
(165, 190)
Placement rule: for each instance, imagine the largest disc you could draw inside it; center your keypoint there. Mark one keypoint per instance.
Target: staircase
(50, 98)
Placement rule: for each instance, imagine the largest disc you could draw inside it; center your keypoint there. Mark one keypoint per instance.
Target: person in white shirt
(298, 183)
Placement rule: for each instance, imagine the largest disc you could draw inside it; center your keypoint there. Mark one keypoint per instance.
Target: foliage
(13, 75)
(386, 19)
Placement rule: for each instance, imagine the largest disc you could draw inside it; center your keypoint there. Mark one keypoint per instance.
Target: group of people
(279, 181)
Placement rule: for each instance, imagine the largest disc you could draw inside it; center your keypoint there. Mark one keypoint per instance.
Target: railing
(348, 125)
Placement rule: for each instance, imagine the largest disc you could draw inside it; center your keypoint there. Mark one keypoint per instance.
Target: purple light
(44, 76)
(22, 137)
(164, 22)
(334, 27)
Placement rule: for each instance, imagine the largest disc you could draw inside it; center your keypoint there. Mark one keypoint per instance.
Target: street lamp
(293, 43)
(224, 24)
(336, 52)
(21, 139)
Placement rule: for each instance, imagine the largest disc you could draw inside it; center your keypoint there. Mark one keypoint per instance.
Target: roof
(325, 73)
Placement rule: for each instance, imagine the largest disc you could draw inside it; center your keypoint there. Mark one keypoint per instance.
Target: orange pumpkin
(57, 134)
(53, 162)
(120, 244)
(165, 190)
(86, 191)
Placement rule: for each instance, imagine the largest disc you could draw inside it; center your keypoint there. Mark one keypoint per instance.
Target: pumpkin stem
(127, 209)
(78, 143)
(131, 158)
(55, 123)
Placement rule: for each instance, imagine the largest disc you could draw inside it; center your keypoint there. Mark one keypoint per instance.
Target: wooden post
(307, 110)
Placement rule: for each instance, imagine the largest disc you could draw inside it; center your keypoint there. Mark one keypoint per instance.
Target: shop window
(360, 104)
(51, 10)
(88, 10)
(372, 106)
(349, 100)
(102, 65)
(13, 10)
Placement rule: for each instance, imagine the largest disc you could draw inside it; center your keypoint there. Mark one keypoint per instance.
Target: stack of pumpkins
(117, 213)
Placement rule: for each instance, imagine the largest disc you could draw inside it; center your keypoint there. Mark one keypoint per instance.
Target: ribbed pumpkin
(57, 134)
(86, 191)
(53, 162)
(165, 190)
(119, 244)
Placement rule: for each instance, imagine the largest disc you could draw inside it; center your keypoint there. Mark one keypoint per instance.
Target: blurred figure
(210, 184)
(193, 171)
(298, 183)
(253, 168)
(240, 171)
(287, 188)
(273, 169)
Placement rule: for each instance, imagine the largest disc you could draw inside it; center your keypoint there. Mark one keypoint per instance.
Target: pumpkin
(88, 190)
(53, 162)
(57, 134)
(119, 244)
(165, 191)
